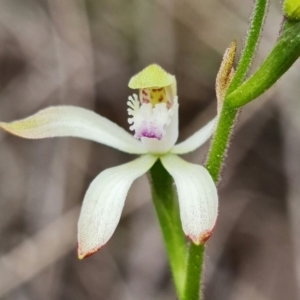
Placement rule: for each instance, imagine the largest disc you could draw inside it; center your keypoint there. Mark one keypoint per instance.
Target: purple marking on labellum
(149, 131)
(151, 134)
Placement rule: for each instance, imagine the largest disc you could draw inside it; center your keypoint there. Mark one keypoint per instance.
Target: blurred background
(83, 52)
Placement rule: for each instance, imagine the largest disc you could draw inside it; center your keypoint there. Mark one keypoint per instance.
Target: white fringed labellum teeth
(148, 120)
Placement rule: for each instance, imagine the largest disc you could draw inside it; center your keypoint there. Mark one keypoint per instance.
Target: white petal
(196, 140)
(104, 201)
(76, 122)
(197, 196)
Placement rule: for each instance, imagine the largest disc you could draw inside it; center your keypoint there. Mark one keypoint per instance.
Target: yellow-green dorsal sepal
(152, 76)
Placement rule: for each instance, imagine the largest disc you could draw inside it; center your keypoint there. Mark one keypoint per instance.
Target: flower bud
(225, 73)
(292, 9)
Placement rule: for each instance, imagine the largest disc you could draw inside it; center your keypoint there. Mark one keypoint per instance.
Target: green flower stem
(167, 210)
(228, 114)
(221, 142)
(251, 43)
(214, 164)
(281, 58)
(194, 272)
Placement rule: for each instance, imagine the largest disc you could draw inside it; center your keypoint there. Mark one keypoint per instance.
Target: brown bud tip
(225, 73)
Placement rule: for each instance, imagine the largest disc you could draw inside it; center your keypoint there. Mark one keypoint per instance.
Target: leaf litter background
(83, 53)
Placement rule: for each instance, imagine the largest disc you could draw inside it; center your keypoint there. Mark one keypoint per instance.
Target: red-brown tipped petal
(197, 196)
(103, 203)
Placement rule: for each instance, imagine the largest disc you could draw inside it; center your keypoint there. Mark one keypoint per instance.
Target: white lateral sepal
(197, 196)
(196, 140)
(104, 201)
(59, 121)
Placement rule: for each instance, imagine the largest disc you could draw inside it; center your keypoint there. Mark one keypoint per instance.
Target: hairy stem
(251, 43)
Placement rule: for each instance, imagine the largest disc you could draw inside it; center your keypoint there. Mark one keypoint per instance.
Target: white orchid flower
(154, 120)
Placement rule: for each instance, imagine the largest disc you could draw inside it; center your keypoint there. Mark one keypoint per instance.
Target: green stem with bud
(221, 141)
